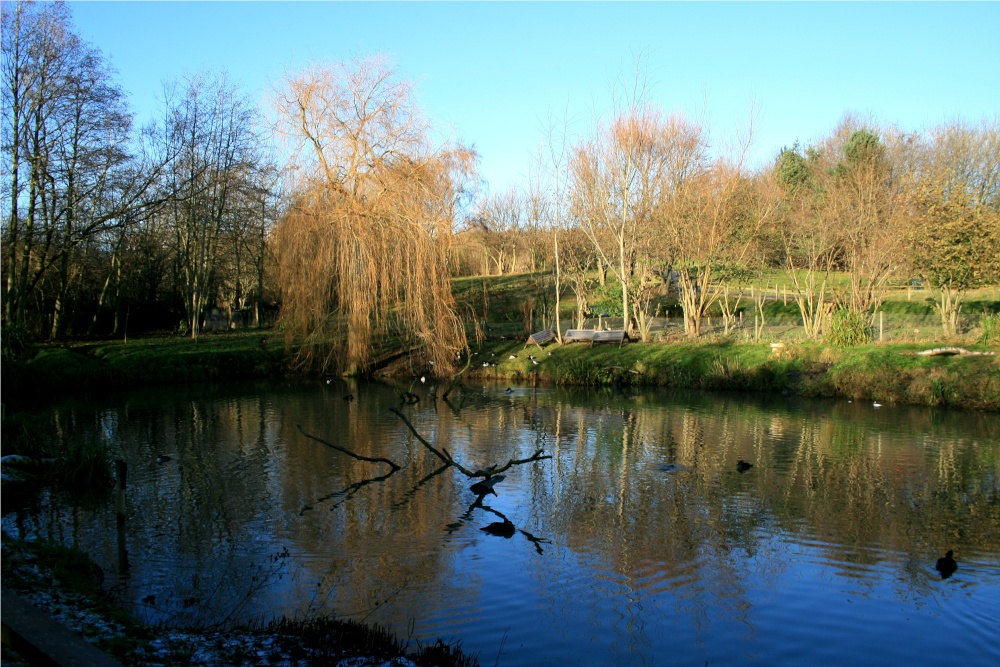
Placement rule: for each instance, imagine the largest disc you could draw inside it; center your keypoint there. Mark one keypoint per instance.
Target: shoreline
(888, 373)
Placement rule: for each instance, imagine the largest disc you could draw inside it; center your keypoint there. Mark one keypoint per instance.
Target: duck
(162, 458)
(503, 529)
(509, 391)
(876, 404)
(743, 466)
(946, 565)
(349, 398)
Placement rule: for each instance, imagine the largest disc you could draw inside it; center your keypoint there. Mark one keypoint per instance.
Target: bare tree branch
(449, 460)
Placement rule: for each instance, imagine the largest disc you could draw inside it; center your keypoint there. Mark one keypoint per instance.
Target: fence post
(121, 480)
(881, 328)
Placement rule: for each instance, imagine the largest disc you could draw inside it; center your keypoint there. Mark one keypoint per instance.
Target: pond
(641, 541)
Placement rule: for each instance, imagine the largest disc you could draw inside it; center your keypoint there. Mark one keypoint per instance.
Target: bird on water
(946, 565)
(349, 397)
(162, 458)
(743, 466)
(503, 529)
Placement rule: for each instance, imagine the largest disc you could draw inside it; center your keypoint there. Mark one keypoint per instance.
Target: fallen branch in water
(344, 450)
(445, 456)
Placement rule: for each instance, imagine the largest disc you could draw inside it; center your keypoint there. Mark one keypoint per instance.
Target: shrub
(990, 325)
(848, 328)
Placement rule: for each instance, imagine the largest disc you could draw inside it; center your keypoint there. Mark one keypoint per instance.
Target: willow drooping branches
(363, 250)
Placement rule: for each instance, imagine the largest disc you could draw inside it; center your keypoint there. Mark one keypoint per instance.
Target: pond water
(638, 543)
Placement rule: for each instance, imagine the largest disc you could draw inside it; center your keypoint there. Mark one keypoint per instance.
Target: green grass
(509, 308)
(58, 371)
(886, 373)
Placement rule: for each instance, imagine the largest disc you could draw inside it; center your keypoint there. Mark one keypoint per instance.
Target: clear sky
(495, 71)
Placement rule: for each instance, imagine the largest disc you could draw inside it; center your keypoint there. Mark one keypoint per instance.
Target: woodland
(335, 212)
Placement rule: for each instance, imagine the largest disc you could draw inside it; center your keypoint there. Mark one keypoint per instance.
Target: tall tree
(809, 238)
(212, 132)
(68, 137)
(364, 248)
(866, 197)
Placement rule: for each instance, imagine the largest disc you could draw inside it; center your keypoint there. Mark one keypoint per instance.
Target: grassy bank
(505, 309)
(57, 371)
(884, 373)
(891, 373)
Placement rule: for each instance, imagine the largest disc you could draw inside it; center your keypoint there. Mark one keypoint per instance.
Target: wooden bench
(615, 336)
(619, 336)
(578, 336)
(43, 641)
(540, 337)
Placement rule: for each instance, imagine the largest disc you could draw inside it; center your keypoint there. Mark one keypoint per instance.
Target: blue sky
(494, 72)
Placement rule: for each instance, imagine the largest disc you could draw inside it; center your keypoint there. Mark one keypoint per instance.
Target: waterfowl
(423, 378)
(512, 357)
(743, 466)
(503, 529)
(162, 458)
(485, 486)
(509, 390)
(946, 565)
(876, 404)
(349, 397)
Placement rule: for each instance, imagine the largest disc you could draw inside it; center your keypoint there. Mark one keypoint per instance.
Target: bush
(990, 325)
(848, 328)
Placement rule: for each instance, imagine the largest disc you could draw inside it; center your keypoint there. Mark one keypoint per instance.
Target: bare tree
(364, 248)
(617, 179)
(499, 224)
(865, 195)
(809, 238)
(70, 143)
(211, 131)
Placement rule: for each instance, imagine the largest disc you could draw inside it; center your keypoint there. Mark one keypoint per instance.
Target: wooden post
(121, 482)
(881, 328)
(784, 294)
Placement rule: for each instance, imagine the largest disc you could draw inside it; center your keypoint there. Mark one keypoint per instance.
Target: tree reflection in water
(654, 543)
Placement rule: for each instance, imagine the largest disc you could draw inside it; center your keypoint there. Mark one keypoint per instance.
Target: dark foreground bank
(65, 585)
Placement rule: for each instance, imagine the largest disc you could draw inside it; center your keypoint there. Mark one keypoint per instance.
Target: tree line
(193, 221)
(106, 222)
(643, 198)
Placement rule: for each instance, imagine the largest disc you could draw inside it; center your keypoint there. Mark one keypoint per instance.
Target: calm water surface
(638, 543)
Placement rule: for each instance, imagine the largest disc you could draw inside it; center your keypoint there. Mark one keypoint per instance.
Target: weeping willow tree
(362, 252)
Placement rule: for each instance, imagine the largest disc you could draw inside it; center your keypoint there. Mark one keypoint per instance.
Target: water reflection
(643, 536)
